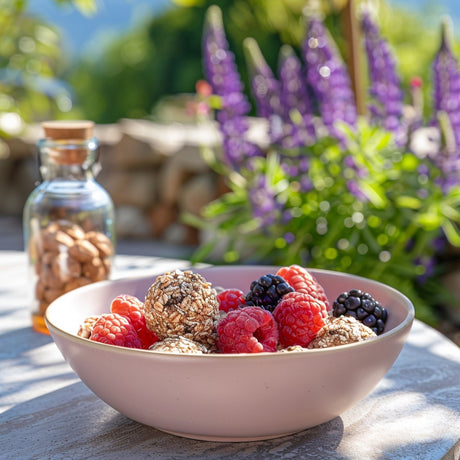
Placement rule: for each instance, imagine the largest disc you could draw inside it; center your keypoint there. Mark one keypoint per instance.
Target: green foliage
(414, 36)
(388, 237)
(87, 7)
(30, 60)
(163, 56)
(396, 234)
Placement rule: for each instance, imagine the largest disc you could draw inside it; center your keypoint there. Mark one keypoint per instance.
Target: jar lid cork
(77, 132)
(68, 129)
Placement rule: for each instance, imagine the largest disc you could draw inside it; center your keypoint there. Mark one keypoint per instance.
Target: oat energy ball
(87, 326)
(292, 349)
(179, 345)
(341, 331)
(182, 304)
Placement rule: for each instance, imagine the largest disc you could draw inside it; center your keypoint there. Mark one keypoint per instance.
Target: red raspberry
(133, 309)
(302, 281)
(230, 299)
(299, 316)
(247, 330)
(115, 329)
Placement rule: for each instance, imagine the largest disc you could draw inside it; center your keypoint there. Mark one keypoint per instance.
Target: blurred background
(132, 66)
(106, 60)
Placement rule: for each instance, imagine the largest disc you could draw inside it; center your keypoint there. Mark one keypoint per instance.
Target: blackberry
(267, 291)
(363, 307)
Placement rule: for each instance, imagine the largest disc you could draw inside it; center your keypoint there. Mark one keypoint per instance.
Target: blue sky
(116, 16)
(112, 17)
(436, 8)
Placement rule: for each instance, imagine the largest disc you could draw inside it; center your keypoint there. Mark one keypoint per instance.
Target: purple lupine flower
(354, 189)
(265, 87)
(277, 100)
(446, 80)
(294, 97)
(221, 72)
(306, 183)
(328, 78)
(263, 202)
(289, 237)
(294, 93)
(267, 92)
(290, 169)
(385, 90)
(286, 216)
(237, 149)
(446, 106)
(298, 167)
(353, 185)
(429, 264)
(350, 162)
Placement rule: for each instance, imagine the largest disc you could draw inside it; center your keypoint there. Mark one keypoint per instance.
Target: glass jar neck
(67, 159)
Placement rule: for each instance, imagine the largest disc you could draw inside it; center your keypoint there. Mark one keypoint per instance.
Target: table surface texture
(47, 412)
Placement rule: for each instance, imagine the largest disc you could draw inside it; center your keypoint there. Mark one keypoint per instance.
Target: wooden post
(354, 53)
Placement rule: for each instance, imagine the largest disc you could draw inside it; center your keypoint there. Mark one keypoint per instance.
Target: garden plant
(376, 195)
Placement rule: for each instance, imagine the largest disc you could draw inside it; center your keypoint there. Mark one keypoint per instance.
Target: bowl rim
(406, 322)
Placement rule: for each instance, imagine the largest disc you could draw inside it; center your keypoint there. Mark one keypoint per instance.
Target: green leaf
(452, 232)
(86, 7)
(203, 251)
(411, 202)
(370, 240)
(194, 221)
(450, 212)
(188, 3)
(375, 194)
(409, 162)
(429, 220)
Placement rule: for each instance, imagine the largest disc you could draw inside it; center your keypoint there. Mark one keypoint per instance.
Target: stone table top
(47, 412)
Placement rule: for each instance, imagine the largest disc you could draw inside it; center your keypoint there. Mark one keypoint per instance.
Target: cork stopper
(75, 130)
(72, 130)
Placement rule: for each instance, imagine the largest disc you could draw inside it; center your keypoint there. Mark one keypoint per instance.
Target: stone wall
(153, 172)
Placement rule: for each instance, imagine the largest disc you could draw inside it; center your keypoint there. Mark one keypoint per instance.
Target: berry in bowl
(232, 353)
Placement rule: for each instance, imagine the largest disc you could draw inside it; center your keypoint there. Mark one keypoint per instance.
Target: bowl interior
(68, 311)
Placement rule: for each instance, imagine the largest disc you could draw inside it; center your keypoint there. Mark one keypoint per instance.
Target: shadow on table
(25, 363)
(433, 371)
(73, 423)
(30, 339)
(430, 449)
(417, 403)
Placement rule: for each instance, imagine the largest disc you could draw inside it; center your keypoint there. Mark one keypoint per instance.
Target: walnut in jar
(66, 258)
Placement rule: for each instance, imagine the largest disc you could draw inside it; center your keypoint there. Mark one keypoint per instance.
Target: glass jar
(68, 218)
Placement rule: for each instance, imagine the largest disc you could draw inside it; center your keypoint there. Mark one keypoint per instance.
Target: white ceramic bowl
(229, 397)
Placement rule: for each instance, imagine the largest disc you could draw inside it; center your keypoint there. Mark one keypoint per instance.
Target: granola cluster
(179, 345)
(182, 303)
(341, 331)
(86, 327)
